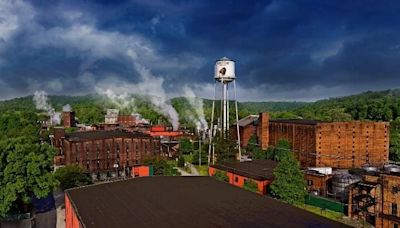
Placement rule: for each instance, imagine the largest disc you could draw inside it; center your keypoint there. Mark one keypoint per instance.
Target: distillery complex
(345, 165)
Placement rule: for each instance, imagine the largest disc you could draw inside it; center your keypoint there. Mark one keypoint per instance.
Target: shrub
(221, 176)
(250, 185)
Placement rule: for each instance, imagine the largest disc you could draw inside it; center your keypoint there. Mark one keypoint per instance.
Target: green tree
(394, 148)
(160, 166)
(72, 176)
(254, 150)
(289, 184)
(25, 171)
(181, 161)
(225, 149)
(185, 146)
(279, 151)
(204, 154)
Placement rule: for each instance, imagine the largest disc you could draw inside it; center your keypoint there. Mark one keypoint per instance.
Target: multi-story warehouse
(324, 144)
(104, 152)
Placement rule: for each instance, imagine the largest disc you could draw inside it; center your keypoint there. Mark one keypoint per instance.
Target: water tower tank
(225, 70)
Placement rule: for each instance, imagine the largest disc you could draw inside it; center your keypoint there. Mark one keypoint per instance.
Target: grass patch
(203, 170)
(172, 162)
(188, 157)
(333, 215)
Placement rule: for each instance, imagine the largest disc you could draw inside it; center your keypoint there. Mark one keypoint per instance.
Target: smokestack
(263, 130)
(69, 119)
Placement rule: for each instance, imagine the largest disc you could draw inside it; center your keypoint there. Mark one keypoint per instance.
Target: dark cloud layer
(285, 50)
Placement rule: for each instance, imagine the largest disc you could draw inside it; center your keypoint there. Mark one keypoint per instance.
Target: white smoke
(197, 105)
(140, 119)
(152, 86)
(122, 101)
(55, 117)
(40, 98)
(41, 102)
(67, 108)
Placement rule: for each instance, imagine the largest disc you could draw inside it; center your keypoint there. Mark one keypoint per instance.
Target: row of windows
(145, 146)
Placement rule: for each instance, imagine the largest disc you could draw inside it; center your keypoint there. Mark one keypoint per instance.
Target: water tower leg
(237, 121)
(211, 126)
(225, 122)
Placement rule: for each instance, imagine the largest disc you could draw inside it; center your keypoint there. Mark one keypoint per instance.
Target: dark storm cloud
(284, 49)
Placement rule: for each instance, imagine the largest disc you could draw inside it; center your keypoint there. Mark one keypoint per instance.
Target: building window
(236, 179)
(394, 209)
(309, 182)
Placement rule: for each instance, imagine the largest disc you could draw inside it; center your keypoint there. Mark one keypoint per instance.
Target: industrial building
(68, 119)
(342, 145)
(104, 153)
(317, 180)
(238, 173)
(376, 198)
(180, 202)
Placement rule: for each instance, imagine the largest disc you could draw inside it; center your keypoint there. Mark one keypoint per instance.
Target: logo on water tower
(222, 71)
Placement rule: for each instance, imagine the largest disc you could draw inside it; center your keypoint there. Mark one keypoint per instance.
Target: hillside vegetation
(368, 106)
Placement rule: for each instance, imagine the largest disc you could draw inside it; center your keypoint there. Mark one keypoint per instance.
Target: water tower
(224, 73)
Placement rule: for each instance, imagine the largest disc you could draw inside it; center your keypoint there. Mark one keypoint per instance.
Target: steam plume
(41, 102)
(197, 105)
(67, 108)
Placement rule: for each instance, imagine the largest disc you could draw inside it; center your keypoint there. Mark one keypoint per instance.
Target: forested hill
(381, 106)
(91, 108)
(378, 106)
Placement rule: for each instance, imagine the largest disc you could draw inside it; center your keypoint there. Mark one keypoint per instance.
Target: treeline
(91, 108)
(376, 106)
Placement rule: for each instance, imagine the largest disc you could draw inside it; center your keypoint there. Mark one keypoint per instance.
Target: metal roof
(256, 169)
(94, 135)
(184, 202)
(250, 119)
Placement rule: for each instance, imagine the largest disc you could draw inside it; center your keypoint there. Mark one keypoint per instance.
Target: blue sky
(284, 50)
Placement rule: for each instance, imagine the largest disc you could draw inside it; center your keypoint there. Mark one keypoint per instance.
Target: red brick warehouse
(104, 152)
(349, 144)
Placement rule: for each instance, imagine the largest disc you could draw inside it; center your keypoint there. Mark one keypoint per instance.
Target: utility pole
(199, 147)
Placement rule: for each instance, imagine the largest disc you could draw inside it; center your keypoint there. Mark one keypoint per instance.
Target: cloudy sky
(284, 50)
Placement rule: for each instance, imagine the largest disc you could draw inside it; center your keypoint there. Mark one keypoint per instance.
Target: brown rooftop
(184, 202)
(250, 119)
(256, 169)
(94, 135)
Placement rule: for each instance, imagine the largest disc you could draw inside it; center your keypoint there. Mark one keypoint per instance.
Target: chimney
(263, 130)
(69, 119)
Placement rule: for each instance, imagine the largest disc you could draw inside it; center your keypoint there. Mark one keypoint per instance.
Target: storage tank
(392, 168)
(370, 169)
(224, 70)
(341, 183)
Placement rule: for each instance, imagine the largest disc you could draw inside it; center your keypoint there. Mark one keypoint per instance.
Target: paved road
(193, 170)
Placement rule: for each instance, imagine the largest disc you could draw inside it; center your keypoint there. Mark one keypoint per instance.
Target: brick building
(317, 180)
(258, 171)
(68, 119)
(104, 152)
(247, 128)
(376, 199)
(126, 120)
(324, 144)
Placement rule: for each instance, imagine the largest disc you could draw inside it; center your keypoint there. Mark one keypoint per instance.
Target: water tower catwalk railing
(224, 73)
